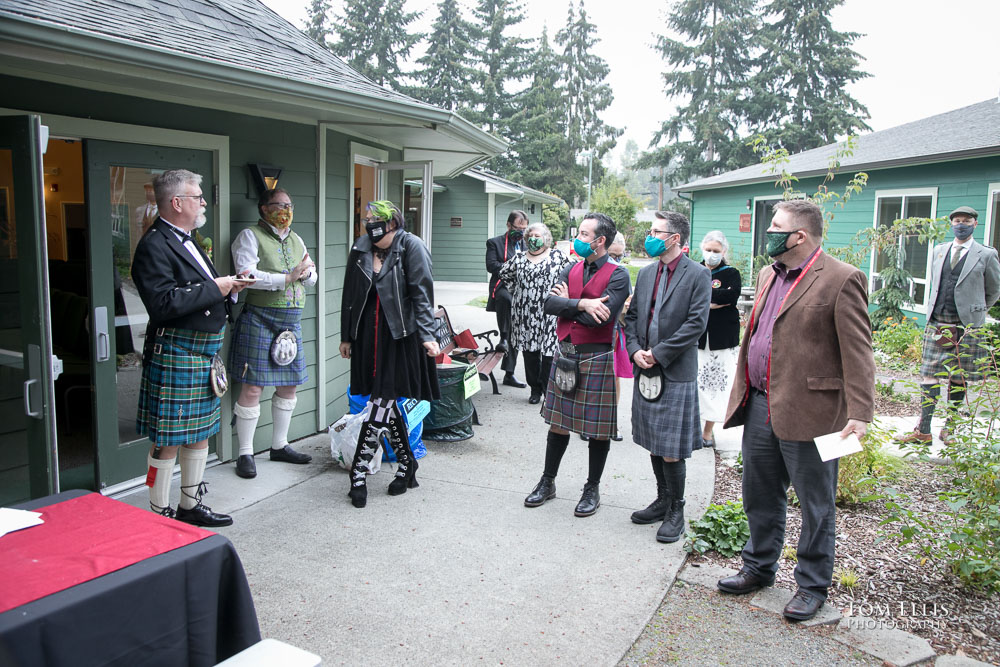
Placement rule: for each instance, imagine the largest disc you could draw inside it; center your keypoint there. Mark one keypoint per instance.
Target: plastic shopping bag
(344, 442)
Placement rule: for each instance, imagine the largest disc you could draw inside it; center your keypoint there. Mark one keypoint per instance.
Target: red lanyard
(778, 312)
(506, 240)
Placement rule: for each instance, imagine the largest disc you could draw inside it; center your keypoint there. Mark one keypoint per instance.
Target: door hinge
(215, 195)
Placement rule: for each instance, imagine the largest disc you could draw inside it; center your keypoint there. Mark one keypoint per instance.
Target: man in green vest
(267, 343)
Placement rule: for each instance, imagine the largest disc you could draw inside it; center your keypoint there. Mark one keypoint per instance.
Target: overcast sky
(925, 56)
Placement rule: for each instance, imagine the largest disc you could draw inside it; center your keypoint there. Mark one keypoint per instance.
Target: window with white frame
(992, 232)
(892, 205)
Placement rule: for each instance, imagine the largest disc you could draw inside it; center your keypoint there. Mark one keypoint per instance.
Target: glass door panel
(410, 185)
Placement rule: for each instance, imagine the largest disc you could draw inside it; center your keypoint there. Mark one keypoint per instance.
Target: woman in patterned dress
(719, 345)
(529, 276)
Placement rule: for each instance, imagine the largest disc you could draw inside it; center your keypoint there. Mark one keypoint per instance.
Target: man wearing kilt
(188, 304)
(580, 395)
(669, 313)
(965, 283)
(267, 345)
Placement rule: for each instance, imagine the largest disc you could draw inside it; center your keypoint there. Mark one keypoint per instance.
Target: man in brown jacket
(805, 369)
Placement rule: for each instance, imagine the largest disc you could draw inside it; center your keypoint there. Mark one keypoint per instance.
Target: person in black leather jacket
(387, 331)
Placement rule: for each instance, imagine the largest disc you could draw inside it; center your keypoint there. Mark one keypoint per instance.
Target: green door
(27, 431)
(120, 208)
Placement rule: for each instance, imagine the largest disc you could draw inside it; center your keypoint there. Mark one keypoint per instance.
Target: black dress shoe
(512, 381)
(544, 490)
(502, 345)
(589, 501)
(802, 606)
(535, 398)
(246, 467)
(617, 437)
(289, 455)
(743, 582)
(202, 515)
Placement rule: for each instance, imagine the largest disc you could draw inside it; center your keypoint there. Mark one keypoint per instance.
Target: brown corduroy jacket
(822, 366)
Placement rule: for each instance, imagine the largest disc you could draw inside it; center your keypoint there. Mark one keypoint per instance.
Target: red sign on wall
(744, 222)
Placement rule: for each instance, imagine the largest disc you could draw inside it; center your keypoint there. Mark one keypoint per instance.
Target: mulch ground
(893, 585)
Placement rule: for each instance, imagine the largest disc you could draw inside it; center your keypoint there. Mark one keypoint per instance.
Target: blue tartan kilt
(592, 408)
(250, 355)
(671, 426)
(963, 361)
(176, 403)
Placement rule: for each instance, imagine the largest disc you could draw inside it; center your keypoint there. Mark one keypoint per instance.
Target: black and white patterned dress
(531, 329)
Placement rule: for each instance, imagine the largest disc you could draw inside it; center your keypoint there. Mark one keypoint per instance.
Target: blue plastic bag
(413, 412)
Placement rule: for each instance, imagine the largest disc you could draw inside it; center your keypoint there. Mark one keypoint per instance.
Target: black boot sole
(670, 539)
(646, 522)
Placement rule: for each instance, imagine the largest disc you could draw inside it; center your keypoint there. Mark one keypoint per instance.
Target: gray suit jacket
(682, 319)
(978, 287)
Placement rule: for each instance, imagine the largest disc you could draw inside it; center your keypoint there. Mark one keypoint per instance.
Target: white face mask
(712, 258)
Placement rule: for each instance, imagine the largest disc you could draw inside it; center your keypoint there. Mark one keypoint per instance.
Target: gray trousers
(769, 464)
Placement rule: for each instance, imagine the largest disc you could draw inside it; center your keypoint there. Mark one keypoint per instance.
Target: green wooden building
(926, 168)
(99, 97)
(468, 210)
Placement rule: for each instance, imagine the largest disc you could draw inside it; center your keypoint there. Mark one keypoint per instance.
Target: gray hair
(619, 240)
(543, 228)
(718, 237)
(169, 184)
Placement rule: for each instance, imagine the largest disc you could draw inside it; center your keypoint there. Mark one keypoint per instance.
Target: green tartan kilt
(176, 403)
(961, 361)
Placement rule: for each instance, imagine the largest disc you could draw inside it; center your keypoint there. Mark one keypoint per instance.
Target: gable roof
(223, 54)
(972, 131)
(500, 185)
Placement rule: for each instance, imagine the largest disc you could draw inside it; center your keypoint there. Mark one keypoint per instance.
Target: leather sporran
(651, 383)
(567, 375)
(947, 335)
(218, 377)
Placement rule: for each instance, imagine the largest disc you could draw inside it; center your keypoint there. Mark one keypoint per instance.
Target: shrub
(724, 528)
(899, 338)
(862, 473)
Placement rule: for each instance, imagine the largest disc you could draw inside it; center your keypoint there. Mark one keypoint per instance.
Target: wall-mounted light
(749, 204)
(265, 176)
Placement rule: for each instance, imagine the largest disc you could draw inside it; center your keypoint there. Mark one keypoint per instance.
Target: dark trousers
(503, 304)
(537, 367)
(769, 464)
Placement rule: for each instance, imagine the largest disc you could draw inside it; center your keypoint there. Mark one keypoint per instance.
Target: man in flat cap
(965, 283)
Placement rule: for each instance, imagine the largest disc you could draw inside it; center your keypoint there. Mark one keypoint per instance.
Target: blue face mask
(655, 246)
(962, 232)
(582, 248)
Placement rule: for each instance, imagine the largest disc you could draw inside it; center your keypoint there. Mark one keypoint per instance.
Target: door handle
(27, 399)
(102, 341)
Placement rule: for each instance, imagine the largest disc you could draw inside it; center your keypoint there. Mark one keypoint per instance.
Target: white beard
(200, 221)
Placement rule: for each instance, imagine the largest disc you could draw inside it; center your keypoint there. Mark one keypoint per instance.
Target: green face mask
(536, 243)
(777, 243)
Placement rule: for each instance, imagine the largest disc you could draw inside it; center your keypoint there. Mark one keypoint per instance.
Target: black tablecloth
(189, 606)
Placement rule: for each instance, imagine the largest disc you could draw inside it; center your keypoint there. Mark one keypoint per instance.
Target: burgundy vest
(577, 333)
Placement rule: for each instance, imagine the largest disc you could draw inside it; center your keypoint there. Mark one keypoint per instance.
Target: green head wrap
(382, 210)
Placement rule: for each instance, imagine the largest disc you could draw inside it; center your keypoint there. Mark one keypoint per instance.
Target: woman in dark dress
(387, 331)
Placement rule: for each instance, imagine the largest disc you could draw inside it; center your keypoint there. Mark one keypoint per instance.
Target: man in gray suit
(965, 283)
(668, 315)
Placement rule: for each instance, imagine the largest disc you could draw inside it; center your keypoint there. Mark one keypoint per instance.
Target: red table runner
(83, 538)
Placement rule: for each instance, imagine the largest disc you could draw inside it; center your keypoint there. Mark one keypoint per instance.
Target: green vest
(277, 256)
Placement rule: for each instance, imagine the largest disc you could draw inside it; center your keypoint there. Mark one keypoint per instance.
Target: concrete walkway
(457, 570)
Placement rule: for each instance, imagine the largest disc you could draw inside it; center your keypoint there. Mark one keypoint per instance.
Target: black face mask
(377, 229)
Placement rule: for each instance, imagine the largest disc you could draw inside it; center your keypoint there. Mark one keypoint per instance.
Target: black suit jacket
(495, 253)
(173, 286)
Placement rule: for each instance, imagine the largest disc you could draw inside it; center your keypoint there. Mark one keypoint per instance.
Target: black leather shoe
(502, 345)
(656, 510)
(802, 606)
(202, 515)
(743, 582)
(534, 399)
(544, 490)
(672, 527)
(589, 501)
(289, 455)
(617, 437)
(512, 381)
(246, 467)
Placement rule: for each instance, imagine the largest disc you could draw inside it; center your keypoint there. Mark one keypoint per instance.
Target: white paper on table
(11, 520)
(832, 446)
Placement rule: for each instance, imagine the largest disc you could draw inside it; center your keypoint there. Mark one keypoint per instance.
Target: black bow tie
(182, 237)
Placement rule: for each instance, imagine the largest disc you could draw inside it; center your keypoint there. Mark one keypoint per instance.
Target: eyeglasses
(281, 206)
(654, 232)
(200, 197)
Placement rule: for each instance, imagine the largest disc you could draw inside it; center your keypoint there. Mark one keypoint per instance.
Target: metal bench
(485, 360)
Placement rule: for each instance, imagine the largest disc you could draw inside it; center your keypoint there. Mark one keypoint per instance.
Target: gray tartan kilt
(962, 361)
(176, 403)
(672, 425)
(250, 355)
(592, 409)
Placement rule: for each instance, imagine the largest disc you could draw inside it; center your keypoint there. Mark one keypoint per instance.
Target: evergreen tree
(587, 92)
(540, 155)
(446, 73)
(318, 24)
(709, 68)
(806, 67)
(500, 62)
(373, 39)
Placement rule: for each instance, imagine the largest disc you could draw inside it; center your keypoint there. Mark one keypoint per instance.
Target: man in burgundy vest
(587, 299)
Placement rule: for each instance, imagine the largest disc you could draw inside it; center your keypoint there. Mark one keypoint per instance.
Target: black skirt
(385, 367)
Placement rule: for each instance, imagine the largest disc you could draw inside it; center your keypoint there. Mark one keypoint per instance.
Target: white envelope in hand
(832, 446)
